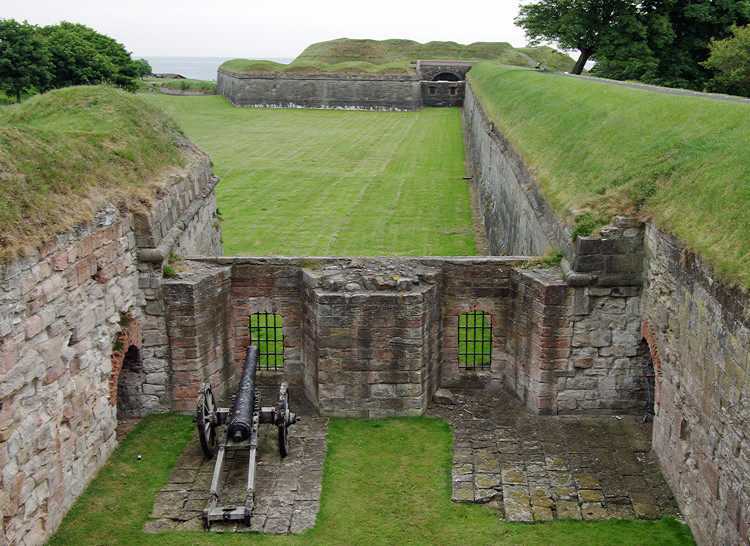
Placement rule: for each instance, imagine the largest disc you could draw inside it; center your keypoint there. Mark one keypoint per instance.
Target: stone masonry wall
(183, 222)
(61, 311)
(517, 220)
(75, 319)
(698, 329)
(416, 326)
(374, 335)
(360, 92)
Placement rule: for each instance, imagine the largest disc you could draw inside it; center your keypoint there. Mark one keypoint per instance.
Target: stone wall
(81, 334)
(517, 219)
(375, 345)
(698, 329)
(373, 338)
(442, 94)
(360, 92)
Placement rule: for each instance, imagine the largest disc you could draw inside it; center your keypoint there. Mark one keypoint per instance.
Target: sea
(196, 68)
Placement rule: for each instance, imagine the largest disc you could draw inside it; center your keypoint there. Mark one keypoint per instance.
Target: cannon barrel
(240, 420)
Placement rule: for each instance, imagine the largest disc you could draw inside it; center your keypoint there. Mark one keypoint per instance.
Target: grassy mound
(392, 57)
(317, 67)
(66, 153)
(681, 160)
(549, 58)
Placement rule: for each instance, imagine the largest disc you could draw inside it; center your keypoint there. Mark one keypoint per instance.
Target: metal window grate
(267, 334)
(474, 341)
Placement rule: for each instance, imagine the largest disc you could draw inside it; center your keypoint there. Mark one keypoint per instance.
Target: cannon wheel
(206, 419)
(283, 418)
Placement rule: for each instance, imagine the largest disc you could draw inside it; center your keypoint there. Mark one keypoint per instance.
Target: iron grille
(474, 341)
(267, 334)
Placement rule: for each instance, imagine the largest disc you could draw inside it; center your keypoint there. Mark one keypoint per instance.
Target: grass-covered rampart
(245, 66)
(393, 57)
(682, 161)
(63, 155)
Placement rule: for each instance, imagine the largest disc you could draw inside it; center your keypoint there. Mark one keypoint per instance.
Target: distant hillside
(392, 57)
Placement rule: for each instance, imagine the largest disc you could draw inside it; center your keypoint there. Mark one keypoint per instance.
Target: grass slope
(348, 56)
(384, 482)
(684, 161)
(329, 182)
(66, 153)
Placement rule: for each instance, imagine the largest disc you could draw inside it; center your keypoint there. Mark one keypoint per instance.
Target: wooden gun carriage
(240, 434)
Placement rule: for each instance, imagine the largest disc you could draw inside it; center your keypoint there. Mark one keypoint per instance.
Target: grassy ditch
(682, 161)
(384, 482)
(66, 153)
(344, 183)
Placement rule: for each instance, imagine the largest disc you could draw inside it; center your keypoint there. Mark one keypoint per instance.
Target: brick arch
(128, 336)
(647, 331)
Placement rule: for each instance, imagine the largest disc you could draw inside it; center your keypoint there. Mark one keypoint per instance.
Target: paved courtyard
(539, 468)
(532, 468)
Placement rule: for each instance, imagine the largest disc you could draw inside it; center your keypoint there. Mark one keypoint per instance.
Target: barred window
(267, 334)
(474, 341)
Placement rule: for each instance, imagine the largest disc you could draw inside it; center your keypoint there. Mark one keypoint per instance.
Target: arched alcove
(446, 77)
(130, 384)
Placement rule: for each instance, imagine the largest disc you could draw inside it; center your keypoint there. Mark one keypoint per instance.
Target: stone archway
(446, 77)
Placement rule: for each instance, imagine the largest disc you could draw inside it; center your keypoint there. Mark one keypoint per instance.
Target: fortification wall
(284, 90)
(81, 335)
(374, 346)
(635, 323)
(698, 329)
(517, 219)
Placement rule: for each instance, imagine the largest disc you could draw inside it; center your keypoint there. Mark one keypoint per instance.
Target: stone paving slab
(540, 468)
(287, 496)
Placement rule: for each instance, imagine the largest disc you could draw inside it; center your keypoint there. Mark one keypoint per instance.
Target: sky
(252, 29)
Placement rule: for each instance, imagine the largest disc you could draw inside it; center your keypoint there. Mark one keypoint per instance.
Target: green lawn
(324, 182)
(682, 161)
(384, 482)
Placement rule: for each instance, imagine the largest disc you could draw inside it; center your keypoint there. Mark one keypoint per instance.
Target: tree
(677, 41)
(730, 61)
(24, 60)
(144, 68)
(593, 27)
(80, 55)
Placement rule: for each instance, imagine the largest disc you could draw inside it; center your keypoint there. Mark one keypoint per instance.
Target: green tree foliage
(24, 60)
(81, 55)
(730, 61)
(144, 68)
(596, 28)
(677, 42)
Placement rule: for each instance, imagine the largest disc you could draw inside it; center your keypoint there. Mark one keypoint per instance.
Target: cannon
(240, 433)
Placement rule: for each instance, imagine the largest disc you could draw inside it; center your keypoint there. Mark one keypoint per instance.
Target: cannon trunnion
(240, 433)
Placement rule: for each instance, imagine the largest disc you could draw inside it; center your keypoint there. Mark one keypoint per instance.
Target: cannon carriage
(240, 433)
